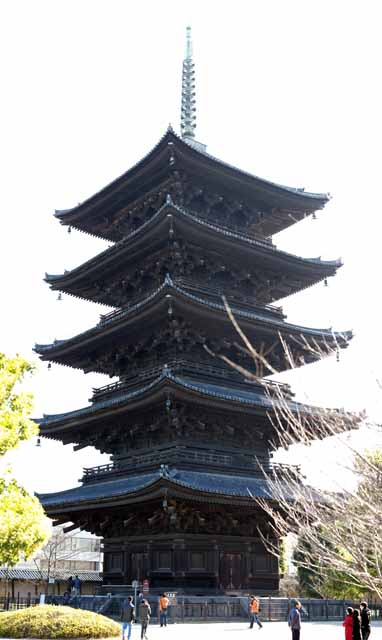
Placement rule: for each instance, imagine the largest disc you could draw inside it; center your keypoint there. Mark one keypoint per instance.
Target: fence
(197, 608)
(185, 609)
(9, 604)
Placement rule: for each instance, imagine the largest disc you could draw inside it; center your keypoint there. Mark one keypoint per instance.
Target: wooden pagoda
(185, 431)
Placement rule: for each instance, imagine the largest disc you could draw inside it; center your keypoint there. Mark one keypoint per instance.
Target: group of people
(357, 623)
(128, 615)
(294, 618)
(73, 586)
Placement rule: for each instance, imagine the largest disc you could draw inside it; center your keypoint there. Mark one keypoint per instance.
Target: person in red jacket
(348, 624)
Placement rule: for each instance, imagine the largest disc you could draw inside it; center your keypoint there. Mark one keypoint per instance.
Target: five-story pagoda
(185, 431)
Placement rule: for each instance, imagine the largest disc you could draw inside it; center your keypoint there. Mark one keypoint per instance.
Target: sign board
(146, 586)
(135, 584)
(172, 596)
(51, 580)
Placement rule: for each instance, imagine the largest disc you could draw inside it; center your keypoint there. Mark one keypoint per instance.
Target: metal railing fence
(185, 608)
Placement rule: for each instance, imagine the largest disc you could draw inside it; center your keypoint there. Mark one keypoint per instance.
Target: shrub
(49, 621)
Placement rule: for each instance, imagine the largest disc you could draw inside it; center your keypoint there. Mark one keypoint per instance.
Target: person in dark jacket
(144, 615)
(127, 617)
(77, 586)
(294, 620)
(365, 620)
(356, 625)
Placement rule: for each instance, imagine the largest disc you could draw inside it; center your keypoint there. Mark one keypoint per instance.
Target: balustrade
(196, 286)
(175, 366)
(185, 454)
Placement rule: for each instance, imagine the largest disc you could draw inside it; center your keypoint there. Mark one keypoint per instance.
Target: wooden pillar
(246, 564)
(216, 562)
(179, 557)
(147, 560)
(126, 564)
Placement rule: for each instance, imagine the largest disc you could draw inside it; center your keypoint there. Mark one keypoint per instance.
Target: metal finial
(188, 110)
(188, 43)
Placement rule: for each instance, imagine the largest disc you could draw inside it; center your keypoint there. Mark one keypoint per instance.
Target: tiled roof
(250, 397)
(211, 483)
(60, 575)
(168, 286)
(170, 136)
(262, 247)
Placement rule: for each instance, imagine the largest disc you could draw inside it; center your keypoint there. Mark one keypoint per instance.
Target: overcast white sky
(288, 90)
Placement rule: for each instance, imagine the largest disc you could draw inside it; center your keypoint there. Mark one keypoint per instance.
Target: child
(348, 624)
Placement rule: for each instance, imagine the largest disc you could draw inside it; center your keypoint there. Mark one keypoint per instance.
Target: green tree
(23, 526)
(283, 564)
(316, 581)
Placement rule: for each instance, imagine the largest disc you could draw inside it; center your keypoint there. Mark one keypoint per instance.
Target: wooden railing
(175, 366)
(184, 454)
(196, 287)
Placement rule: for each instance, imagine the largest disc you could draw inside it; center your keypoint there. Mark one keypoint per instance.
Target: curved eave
(315, 268)
(295, 198)
(234, 398)
(160, 300)
(195, 485)
(69, 216)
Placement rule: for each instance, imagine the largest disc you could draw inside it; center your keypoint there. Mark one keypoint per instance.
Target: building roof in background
(60, 575)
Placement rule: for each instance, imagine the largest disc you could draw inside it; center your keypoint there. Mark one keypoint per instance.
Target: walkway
(240, 631)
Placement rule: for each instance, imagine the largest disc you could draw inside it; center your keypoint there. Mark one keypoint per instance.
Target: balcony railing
(200, 369)
(196, 287)
(185, 367)
(217, 291)
(188, 455)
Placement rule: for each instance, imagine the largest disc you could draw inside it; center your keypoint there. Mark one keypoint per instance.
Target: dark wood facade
(185, 431)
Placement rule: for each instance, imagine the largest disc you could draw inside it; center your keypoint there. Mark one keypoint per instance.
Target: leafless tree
(340, 531)
(60, 548)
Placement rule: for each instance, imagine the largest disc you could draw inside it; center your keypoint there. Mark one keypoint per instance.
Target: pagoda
(189, 436)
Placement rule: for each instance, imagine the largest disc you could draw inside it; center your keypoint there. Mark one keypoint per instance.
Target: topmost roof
(172, 154)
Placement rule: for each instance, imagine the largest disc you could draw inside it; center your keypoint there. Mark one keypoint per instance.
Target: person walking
(127, 617)
(356, 625)
(365, 620)
(254, 609)
(76, 586)
(348, 624)
(69, 584)
(163, 606)
(294, 619)
(144, 616)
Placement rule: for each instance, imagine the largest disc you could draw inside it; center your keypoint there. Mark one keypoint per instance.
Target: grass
(49, 621)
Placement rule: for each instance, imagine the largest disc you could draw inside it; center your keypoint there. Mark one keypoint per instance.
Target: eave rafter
(247, 400)
(98, 214)
(171, 225)
(151, 487)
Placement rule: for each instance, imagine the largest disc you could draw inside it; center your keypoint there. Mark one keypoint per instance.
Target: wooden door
(230, 571)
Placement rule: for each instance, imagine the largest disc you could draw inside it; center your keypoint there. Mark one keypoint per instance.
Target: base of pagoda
(191, 564)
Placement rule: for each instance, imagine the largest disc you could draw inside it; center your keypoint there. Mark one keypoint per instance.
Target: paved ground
(231, 631)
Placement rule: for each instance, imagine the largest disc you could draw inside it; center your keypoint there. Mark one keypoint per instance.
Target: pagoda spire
(188, 109)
